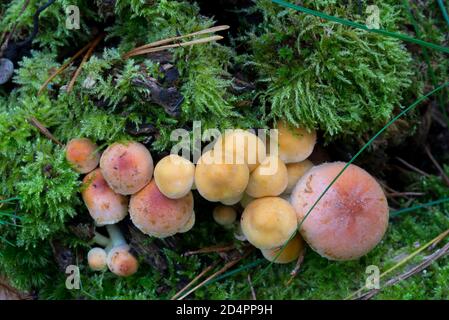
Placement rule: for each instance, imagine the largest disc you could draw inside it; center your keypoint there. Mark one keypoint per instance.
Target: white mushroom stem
(115, 239)
(101, 240)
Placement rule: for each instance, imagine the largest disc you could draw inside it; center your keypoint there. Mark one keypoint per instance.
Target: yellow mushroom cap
(295, 144)
(291, 252)
(244, 146)
(97, 259)
(174, 176)
(232, 201)
(104, 205)
(217, 180)
(268, 222)
(295, 171)
(189, 225)
(246, 199)
(158, 216)
(269, 179)
(127, 167)
(121, 262)
(349, 220)
(224, 215)
(83, 154)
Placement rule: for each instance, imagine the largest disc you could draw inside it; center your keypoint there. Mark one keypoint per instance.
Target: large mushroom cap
(127, 167)
(217, 180)
(156, 215)
(244, 146)
(82, 154)
(291, 252)
(269, 179)
(174, 176)
(269, 222)
(97, 259)
(295, 144)
(104, 205)
(121, 262)
(295, 171)
(349, 220)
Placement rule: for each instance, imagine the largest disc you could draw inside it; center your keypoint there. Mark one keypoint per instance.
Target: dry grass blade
(296, 269)
(227, 266)
(437, 165)
(170, 46)
(253, 292)
(408, 165)
(63, 67)
(168, 40)
(85, 58)
(211, 249)
(191, 283)
(34, 122)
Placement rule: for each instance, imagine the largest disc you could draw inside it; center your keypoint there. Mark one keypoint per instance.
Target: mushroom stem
(116, 236)
(101, 240)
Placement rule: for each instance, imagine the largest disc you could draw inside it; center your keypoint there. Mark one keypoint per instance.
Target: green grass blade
(353, 24)
(421, 206)
(443, 11)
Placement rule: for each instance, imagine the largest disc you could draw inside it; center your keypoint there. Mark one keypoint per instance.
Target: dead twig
(253, 292)
(211, 249)
(437, 165)
(34, 122)
(408, 165)
(296, 269)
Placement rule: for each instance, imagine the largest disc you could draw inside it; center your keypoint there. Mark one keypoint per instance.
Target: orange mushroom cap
(121, 262)
(83, 154)
(295, 171)
(269, 179)
(295, 144)
(156, 215)
(224, 215)
(288, 253)
(174, 176)
(349, 220)
(97, 259)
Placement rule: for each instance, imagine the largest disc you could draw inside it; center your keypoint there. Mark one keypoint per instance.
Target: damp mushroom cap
(157, 215)
(269, 179)
(174, 176)
(104, 205)
(268, 222)
(349, 220)
(295, 144)
(82, 154)
(127, 167)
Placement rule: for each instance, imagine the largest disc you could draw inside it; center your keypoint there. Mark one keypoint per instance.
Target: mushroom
(224, 215)
(246, 199)
(82, 154)
(104, 205)
(295, 171)
(189, 225)
(174, 176)
(156, 215)
(269, 179)
(287, 253)
(119, 259)
(349, 220)
(244, 146)
(295, 144)
(216, 180)
(268, 222)
(232, 201)
(97, 259)
(127, 167)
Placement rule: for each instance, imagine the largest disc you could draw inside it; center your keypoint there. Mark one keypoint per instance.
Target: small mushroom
(268, 222)
(295, 144)
(291, 252)
(174, 176)
(97, 259)
(244, 146)
(216, 180)
(83, 154)
(156, 215)
(127, 167)
(269, 179)
(104, 205)
(349, 220)
(224, 215)
(295, 171)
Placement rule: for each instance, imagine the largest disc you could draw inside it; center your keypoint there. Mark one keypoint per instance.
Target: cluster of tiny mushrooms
(348, 221)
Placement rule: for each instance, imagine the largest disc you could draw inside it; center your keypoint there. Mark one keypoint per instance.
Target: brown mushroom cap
(121, 262)
(224, 215)
(295, 171)
(269, 222)
(294, 248)
(97, 259)
(269, 179)
(174, 176)
(83, 154)
(245, 147)
(104, 205)
(189, 225)
(217, 180)
(295, 144)
(156, 215)
(349, 220)
(127, 167)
